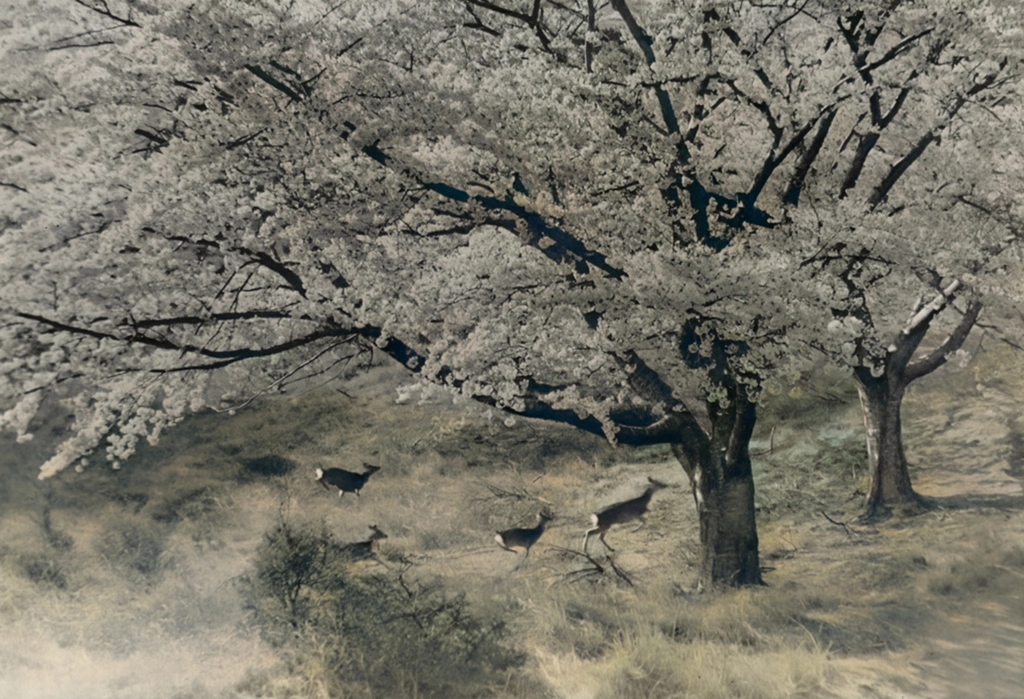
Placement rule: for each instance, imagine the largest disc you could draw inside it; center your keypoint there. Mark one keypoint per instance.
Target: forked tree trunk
(723, 490)
(717, 464)
(881, 400)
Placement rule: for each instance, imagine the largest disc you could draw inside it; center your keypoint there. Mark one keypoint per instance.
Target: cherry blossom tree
(621, 217)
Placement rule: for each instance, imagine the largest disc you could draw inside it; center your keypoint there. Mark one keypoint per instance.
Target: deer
(345, 481)
(364, 549)
(621, 512)
(512, 539)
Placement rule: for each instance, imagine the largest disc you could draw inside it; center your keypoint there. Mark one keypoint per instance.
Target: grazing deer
(620, 513)
(512, 539)
(364, 549)
(345, 481)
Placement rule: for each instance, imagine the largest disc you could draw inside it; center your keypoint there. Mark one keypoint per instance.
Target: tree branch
(229, 356)
(102, 8)
(893, 53)
(588, 49)
(901, 166)
(293, 279)
(202, 320)
(898, 168)
(521, 16)
(867, 142)
(955, 341)
(532, 20)
(274, 82)
(796, 182)
(644, 41)
(567, 248)
(773, 161)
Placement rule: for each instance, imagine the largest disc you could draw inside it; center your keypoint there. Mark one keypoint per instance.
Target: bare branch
(227, 356)
(952, 343)
(101, 7)
(796, 182)
(900, 167)
(281, 380)
(274, 82)
(644, 41)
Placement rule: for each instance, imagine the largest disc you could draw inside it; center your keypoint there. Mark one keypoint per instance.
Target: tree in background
(623, 218)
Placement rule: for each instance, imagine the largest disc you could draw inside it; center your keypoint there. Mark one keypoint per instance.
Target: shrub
(388, 631)
(293, 568)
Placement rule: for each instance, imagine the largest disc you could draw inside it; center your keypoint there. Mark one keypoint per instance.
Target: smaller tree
(936, 273)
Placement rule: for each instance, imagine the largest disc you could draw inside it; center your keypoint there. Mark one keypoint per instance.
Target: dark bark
(717, 463)
(722, 480)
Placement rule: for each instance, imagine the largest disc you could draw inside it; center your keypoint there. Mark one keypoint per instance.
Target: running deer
(512, 539)
(620, 513)
(364, 549)
(345, 481)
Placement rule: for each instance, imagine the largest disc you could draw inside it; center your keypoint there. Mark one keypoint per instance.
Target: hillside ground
(131, 583)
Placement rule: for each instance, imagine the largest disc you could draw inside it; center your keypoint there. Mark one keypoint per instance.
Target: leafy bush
(386, 632)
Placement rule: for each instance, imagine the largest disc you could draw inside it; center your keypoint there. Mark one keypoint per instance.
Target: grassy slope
(122, 584)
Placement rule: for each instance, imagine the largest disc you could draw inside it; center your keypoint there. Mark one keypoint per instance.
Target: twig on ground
(595, 568)
(838, 524)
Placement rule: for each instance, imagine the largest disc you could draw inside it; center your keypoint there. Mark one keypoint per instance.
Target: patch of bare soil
(976, 649)
(965, 435)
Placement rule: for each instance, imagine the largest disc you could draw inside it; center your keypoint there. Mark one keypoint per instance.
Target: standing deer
(345, 481)
(512, 539)
(364, 549)
(620, 513)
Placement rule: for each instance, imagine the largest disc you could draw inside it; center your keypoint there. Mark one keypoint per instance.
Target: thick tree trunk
(728, 532)
(723, 489)
(881, 400)
(717, 464)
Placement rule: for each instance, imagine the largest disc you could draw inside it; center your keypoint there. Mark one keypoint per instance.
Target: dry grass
(106, 576)
(652, 665)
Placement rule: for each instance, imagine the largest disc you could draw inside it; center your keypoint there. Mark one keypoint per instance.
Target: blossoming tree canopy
(584, 212)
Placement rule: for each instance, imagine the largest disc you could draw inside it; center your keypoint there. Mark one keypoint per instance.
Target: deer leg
(601, 537)
(522, 561)
(641, 520)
